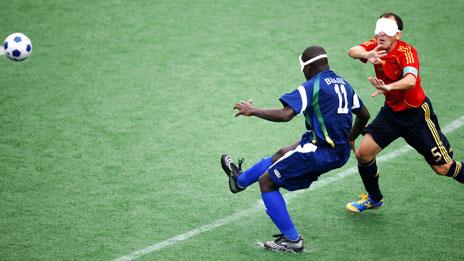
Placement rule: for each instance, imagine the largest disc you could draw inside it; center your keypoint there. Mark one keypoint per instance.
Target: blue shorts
(418, 127)
(298, 168)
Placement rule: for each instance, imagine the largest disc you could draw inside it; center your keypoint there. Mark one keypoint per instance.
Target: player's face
(385, 41)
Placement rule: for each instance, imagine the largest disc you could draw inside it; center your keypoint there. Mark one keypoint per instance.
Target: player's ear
(306, 73)
(398, 35)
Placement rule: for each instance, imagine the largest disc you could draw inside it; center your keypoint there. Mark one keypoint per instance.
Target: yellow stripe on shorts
(435, 134)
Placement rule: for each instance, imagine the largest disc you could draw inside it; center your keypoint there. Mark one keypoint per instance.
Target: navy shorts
(298, 168)
(418, 127)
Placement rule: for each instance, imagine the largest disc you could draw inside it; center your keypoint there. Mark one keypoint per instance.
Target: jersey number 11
(342, 101)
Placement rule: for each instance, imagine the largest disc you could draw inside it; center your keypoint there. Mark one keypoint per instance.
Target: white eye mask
(388, 26)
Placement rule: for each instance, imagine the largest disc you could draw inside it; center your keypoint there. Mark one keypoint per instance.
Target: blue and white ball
(17, 47)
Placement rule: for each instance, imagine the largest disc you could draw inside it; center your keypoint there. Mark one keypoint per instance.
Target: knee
(266, 184)
(279, 154)
(363, 157)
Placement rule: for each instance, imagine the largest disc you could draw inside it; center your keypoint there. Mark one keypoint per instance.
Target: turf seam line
(456, 124)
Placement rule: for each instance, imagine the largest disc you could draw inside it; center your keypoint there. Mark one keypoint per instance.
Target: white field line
(458, 123)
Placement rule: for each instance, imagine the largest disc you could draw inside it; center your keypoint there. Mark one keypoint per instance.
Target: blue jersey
(327, 102)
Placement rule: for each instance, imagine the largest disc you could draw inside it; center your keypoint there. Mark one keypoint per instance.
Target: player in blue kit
(327, 102)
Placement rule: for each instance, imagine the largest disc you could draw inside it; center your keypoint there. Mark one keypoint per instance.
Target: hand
(244, 108)
(374, 94)
(379, 85)
(375, 56)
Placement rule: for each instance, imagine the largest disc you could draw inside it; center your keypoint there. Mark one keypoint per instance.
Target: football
(17, 47)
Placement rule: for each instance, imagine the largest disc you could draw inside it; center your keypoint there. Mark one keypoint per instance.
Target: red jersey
(398, 63)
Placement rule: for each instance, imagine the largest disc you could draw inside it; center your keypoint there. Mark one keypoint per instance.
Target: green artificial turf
(111, 132)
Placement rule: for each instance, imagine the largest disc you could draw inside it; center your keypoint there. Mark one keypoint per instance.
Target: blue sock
(277, 211)
(252, 174)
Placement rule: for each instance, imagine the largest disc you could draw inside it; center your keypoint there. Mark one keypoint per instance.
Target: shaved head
(313, 60)
(311, 52)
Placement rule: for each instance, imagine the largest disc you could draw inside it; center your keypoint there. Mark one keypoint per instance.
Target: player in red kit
(407, 112)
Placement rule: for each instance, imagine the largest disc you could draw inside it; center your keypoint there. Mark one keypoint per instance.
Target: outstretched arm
(404, 84)
(375, 56)
(278, 115)
(359, 123)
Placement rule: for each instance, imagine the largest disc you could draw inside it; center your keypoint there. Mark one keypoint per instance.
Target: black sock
(370, 178)
(456, 171)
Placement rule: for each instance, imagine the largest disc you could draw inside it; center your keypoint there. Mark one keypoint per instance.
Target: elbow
(364, 116)
(368, 116)
(410, 86)
(350, 53)
(354, 53)
(411, 82)
(287, 118)
(366, 120)
(286, 114)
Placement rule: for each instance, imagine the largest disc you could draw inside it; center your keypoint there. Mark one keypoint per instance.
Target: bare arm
(359, 123)
(374, 56)
(278, 115)
(406, 83)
